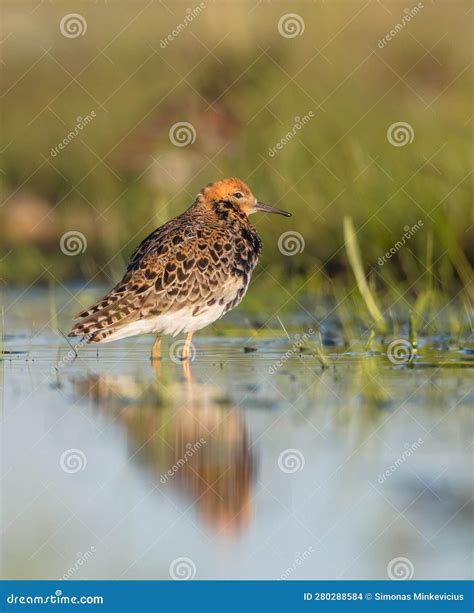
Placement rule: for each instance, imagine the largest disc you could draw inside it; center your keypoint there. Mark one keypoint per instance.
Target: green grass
(242, 99)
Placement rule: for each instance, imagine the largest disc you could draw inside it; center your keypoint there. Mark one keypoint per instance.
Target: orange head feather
(238, 194)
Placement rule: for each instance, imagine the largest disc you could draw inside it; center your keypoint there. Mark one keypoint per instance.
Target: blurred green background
(231, 74)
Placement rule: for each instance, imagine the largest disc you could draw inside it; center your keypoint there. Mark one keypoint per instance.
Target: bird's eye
(238, 195)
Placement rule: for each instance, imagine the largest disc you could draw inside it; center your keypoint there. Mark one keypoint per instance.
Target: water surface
(259, 464)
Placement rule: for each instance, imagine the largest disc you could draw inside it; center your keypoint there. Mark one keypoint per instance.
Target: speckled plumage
(185, 274)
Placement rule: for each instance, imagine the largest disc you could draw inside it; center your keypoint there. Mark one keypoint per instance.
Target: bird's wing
(122, 304)
(196, 270)
(208, 265)
(177, 265)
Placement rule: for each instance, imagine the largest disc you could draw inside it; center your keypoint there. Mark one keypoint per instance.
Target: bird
(186, 274)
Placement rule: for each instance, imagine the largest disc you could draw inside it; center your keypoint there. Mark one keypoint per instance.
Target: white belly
(185, 321)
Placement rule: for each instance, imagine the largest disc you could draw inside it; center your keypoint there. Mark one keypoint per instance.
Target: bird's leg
(187, 372)
(155, 350)
(187, 344)
(185, 357)
(156, 365)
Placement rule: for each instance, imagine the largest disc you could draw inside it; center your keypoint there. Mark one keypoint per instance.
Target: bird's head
(235, 194)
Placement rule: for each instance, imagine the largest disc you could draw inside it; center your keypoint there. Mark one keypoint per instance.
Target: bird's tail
(104, 320)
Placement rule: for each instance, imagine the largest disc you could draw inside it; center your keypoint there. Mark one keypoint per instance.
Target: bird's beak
(266, 208)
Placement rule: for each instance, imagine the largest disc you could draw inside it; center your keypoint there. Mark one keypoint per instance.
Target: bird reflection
(189, 437)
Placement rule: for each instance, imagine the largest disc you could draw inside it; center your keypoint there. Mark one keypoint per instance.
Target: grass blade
(355, 260)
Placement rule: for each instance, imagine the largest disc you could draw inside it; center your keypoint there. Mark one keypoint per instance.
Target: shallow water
(258, 464)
